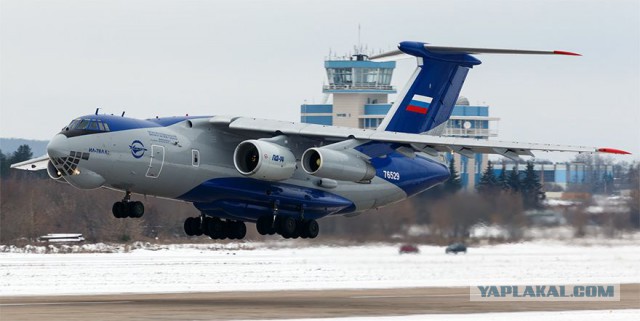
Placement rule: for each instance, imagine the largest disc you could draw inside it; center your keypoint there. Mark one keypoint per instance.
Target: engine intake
(329, 163)
(264, 160)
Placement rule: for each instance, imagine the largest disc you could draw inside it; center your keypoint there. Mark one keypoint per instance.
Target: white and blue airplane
(283, 176)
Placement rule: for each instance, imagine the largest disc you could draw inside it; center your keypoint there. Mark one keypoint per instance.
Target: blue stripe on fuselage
(412, 175)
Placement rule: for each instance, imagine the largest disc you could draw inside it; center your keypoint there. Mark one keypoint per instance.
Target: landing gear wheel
(264, 225)
(187, 227)
(215, 228)
(205, 225)
(135, 209)
(311, 229)
(287, 227)
(119, 210)
(236, 230)
(192, 226)
(272, 228)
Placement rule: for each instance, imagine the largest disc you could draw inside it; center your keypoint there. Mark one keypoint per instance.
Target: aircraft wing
(34, 164)
(425, 143)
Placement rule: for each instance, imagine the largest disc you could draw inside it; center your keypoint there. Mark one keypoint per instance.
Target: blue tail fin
(427, 101)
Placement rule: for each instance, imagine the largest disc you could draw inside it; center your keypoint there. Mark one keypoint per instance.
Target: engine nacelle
(329, 163)
(53, 172)
(264, 160)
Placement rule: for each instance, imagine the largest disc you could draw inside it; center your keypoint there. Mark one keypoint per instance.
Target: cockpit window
(74, 123)
(87, 124)
(83, 124)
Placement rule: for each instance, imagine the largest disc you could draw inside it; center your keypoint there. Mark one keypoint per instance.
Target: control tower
(359, 88)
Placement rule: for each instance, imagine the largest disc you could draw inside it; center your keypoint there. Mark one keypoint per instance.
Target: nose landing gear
(127, 208)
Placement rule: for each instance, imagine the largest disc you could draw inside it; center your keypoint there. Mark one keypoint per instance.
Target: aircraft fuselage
(188, 159)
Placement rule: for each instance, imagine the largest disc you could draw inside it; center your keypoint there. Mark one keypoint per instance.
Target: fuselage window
(101, 126)
(106, 127)
(195, 157)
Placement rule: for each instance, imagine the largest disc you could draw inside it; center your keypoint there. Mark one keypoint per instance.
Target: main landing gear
(215, 228)
(218, 229)
(288, 227)
(127, 208)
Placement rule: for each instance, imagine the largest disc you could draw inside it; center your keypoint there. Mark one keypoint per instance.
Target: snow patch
(148, 268)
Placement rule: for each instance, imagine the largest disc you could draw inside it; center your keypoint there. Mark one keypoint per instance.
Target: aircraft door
(157, 161)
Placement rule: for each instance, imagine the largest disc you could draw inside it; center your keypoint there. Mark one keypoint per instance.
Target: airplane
(282, 176)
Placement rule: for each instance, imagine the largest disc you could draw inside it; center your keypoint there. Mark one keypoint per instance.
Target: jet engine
(329, 163)
(264, 160)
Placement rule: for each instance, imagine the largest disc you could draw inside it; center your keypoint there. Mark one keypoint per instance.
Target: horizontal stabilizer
(398, 54)
(460, 50)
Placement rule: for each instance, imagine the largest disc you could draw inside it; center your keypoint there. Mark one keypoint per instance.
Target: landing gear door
(157, 161)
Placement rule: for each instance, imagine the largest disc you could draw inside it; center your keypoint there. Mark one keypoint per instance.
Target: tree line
(527, 186)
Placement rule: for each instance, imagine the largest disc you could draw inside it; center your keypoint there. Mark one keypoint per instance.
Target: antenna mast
(359, 49)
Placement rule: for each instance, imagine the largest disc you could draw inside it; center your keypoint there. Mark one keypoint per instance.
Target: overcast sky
(62, 59)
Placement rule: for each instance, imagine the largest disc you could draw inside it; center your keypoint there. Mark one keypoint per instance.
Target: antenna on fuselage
(122, 114)
(98, 108)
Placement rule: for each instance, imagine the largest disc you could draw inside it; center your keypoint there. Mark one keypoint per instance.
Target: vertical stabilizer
(426, 103)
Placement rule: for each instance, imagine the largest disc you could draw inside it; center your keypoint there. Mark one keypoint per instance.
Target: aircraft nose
(58, 146)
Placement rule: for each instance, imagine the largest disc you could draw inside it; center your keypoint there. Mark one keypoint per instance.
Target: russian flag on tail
(419, 104)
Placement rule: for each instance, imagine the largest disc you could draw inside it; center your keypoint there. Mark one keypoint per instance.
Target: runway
(280, 304)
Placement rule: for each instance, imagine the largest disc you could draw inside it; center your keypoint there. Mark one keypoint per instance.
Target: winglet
(613, 151)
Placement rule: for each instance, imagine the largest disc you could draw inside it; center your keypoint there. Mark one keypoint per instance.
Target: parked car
(408, 249)
(456, 248)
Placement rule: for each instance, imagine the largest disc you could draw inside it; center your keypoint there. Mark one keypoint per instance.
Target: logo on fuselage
(137, 149)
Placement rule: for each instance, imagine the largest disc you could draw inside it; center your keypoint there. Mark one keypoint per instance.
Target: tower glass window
(340, 76)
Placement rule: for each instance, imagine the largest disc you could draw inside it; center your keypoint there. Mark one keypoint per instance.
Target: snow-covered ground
(260, 266)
